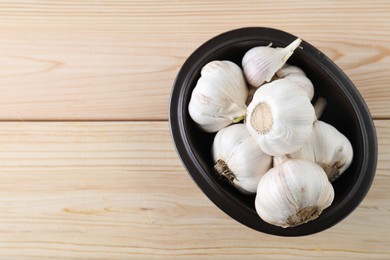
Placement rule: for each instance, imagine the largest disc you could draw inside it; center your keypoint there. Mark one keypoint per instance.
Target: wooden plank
(117, 60)
(118, 191)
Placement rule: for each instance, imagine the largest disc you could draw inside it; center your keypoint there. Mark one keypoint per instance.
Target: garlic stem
(238, 119)
(224, 171)
(279, 160)
(291, 47)
(319, 107)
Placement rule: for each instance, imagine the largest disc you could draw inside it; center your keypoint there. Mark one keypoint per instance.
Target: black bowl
(346, 111)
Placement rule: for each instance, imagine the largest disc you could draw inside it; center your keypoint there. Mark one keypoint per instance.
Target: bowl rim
(230, 205)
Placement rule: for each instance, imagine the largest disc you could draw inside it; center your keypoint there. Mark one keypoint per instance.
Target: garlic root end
(332, 171)
(261, 118)
(223, 170)
(303, 215)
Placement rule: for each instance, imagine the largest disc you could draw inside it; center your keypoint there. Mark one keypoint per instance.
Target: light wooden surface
(115, 188)
(98, 60)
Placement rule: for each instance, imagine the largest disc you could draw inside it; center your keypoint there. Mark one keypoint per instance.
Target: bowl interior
(340, 112)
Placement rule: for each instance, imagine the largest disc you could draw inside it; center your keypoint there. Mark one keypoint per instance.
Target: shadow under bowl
(346, 110)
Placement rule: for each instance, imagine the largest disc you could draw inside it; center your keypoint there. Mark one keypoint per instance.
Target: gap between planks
(80, 120)
(113, 120)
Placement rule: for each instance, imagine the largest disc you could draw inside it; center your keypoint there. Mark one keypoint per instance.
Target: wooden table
(87, 166)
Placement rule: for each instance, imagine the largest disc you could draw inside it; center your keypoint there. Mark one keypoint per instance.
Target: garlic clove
(327, 147)
(239, 159)
(293, 193)
(219, 96)
(297, 76)
(261, 63)
(280, 117)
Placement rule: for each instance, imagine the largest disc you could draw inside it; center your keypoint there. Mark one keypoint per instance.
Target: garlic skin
(280, 117)
(239, 159)
(328, 148)
(297, 76)
(293, 193)
(261, 63)
(219, 96)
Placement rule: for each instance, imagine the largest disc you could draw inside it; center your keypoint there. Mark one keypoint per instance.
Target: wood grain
(116, 190)
(117, 60)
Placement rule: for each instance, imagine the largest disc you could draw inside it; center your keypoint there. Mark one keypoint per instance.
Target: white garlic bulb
(294, 192)
(280, 117)
(239, 159)
(261, 63)
(219, 96)
(296, 75)
(328, 148)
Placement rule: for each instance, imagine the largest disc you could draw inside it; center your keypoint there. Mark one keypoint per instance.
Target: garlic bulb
(297, 76)
(327, 147)
(280, 117)
(219, 96)
(261, 63)
(238, 158)
(294, 192)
